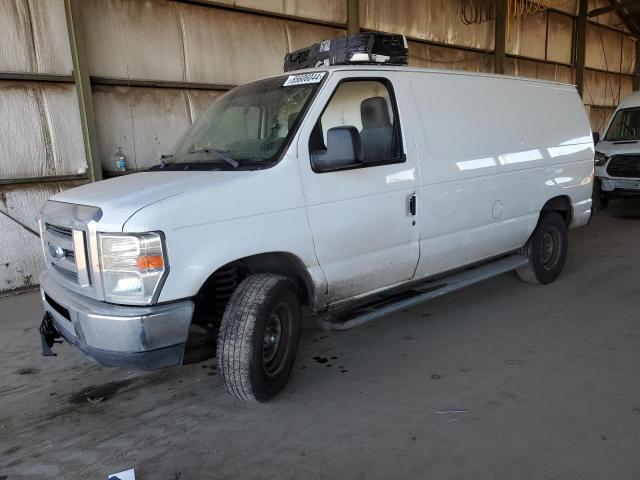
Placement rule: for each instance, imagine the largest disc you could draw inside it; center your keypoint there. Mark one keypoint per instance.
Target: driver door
(362, 218)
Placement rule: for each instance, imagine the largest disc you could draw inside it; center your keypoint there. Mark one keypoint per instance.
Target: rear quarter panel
(493, 151)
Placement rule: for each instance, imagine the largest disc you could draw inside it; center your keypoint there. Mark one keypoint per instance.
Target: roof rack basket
(359, 48)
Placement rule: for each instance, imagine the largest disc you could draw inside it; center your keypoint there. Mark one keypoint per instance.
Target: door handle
(412, 204)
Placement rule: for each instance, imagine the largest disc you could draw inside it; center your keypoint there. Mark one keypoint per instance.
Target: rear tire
(259, 337)
(546, 250)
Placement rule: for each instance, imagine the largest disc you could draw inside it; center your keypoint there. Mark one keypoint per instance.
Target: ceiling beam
(612, 8)
(628, 18)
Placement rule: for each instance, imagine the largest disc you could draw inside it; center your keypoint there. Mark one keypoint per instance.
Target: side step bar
(420, 293)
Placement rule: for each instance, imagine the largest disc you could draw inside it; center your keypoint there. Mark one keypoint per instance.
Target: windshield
(249, 124)
(625, 125)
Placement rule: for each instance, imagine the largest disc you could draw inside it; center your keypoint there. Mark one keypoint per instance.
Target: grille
(65, 232)
(62, 237)
(57, 307)
(624, 166)
(73, 276)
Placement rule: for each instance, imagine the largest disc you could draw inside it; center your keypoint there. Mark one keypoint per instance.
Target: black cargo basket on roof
(359, 48)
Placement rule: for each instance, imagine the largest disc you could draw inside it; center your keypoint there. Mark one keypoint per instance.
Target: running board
(421, 293)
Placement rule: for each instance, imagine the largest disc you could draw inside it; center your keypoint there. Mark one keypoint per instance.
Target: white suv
(617, 158)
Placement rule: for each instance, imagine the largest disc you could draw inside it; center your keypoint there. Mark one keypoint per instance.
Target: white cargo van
(334, 188)
(617, 158)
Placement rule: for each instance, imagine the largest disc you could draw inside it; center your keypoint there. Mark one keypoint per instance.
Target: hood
(119, 198)
(618, 148)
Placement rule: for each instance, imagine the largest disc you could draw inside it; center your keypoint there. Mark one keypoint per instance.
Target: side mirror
(596, 138)
(344, 150)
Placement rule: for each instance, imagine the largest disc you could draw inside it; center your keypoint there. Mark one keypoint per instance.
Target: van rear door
(360, 175)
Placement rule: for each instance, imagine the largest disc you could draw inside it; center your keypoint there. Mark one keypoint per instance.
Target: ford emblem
(56, 252)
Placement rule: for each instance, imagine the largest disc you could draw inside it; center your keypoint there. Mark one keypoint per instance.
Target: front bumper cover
(143, 338)
(619, 187)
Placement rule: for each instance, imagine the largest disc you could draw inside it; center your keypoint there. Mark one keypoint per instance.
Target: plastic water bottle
(120, 161)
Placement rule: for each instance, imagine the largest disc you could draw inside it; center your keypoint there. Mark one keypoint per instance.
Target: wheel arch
(216, 290)
(560, 204)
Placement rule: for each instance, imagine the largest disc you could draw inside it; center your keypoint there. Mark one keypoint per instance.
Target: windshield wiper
(224, 154)
(163, 160)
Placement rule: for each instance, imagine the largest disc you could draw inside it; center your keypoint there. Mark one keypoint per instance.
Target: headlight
(600, 159)
(132, 267)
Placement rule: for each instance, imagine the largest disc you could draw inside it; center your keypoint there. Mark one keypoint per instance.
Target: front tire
(546, 250)
(259, 337)
(600, 202)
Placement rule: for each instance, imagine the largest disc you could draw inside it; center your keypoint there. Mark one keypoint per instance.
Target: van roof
(402, 68)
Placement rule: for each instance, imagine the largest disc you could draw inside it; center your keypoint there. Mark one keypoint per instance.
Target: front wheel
(600, 202)
(259, 337)
(546, 250)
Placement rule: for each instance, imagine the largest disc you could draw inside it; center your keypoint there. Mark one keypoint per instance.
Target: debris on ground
(126, 475)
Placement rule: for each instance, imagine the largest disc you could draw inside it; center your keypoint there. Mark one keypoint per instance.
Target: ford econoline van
(332, 188)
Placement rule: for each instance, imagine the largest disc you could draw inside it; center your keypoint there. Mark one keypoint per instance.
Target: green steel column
(636, 77)
(83, 89)
(500, 36)
(581, 45)
(353, 16)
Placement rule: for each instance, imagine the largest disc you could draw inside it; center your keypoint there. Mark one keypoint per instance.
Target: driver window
(364, 111)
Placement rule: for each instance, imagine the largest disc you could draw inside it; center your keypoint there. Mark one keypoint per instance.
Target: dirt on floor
(503, 380)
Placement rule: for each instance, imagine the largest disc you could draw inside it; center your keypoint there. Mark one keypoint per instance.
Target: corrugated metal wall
(156, 64)
(161, 41)
(40, 133)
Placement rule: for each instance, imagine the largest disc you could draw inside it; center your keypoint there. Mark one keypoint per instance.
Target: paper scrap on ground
(126, 475)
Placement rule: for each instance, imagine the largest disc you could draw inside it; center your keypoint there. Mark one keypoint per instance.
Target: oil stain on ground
(96, 393)
(27, 371)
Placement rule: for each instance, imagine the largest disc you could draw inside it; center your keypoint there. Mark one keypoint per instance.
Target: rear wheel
(259, 337)
(546, 250)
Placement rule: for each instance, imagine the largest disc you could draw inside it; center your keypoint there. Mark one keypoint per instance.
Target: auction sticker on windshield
(303, 79)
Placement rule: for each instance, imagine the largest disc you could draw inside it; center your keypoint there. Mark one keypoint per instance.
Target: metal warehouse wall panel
(543, 71)
(601, 88)
(33, 37)
(139, 39)
(435, 20)
(628, 54)
(604, 48)
(560, 38)
(40, 132)
(158, 40)
(215, 54)
(300, 35)
(626, 86)
(145, 122)
(432, 56)
(20, 250)
(526, 35)
(326, 10)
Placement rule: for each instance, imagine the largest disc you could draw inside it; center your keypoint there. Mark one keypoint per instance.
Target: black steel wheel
(546, 250)
(259, 337)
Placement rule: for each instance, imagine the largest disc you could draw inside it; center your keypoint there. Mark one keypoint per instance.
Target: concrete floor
(501, 380)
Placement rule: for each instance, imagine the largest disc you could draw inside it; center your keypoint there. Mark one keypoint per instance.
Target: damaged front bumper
(143, 338)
